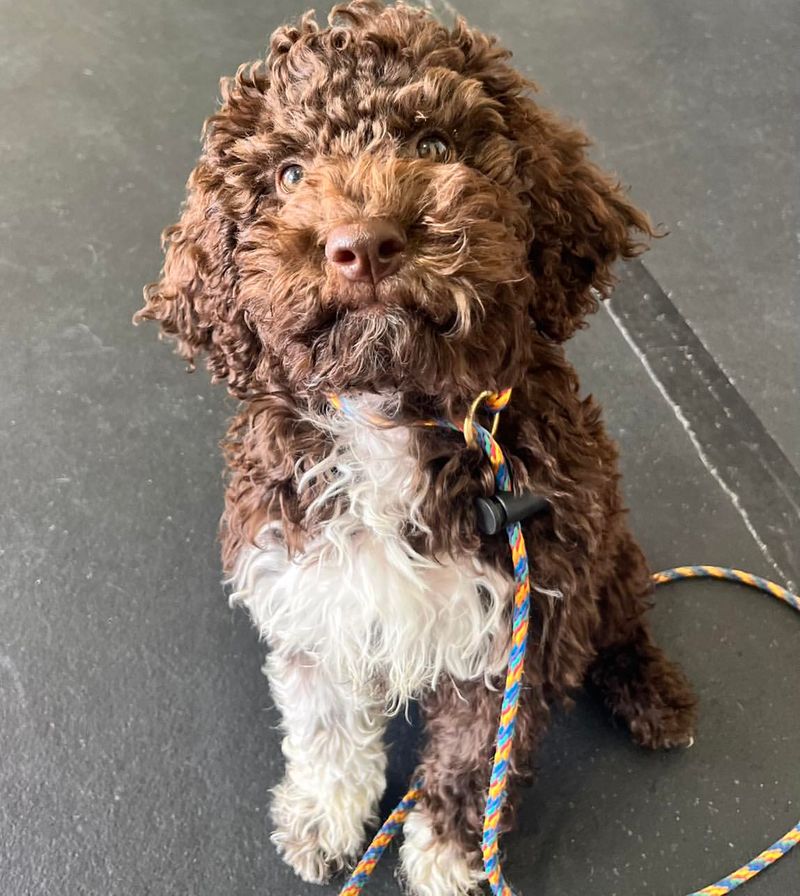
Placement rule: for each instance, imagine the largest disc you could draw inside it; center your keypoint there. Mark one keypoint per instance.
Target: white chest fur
(361, 600)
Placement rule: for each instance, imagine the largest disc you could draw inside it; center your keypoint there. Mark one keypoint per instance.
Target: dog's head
(381, 206)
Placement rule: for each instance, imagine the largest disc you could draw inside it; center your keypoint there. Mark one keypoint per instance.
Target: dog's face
(379, 206)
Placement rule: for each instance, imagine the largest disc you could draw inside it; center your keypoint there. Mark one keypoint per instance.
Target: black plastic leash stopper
(505, 508)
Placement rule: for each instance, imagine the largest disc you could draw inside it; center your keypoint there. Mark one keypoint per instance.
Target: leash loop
(494, 403)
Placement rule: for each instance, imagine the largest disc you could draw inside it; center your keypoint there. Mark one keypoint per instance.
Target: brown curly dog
(381, 210)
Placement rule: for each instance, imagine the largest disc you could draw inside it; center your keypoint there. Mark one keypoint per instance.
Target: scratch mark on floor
(10, 666)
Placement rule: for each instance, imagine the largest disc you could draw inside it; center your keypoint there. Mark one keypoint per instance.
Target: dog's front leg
(335, 765)
(441, 848)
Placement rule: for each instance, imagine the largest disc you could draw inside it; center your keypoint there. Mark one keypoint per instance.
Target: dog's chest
(360, 598)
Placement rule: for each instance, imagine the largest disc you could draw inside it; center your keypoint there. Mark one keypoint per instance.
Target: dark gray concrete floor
(137, 738)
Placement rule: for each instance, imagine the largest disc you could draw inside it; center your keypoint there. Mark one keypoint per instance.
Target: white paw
(431, 867)
(314, 835)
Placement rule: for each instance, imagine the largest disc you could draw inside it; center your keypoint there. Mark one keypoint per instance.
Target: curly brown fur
(511, 240)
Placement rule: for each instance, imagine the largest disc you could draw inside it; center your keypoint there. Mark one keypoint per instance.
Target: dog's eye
(434, 148)
(289, 177)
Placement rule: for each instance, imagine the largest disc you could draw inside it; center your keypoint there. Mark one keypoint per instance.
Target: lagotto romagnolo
(381, 210)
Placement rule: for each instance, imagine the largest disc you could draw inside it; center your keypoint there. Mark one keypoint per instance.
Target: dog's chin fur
(368, 349)
(354, 547)
(378, 349)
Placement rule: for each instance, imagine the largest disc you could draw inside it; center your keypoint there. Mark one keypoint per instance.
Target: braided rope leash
(362, 872)
(498, 781)
(493, 403)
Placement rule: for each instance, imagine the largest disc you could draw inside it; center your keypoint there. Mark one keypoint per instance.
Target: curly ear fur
(581, 220)
(195, 300)
(582, 224)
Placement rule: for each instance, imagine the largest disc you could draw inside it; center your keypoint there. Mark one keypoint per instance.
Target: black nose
(367, 251)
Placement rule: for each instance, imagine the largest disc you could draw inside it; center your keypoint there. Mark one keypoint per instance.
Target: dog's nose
(366, 252)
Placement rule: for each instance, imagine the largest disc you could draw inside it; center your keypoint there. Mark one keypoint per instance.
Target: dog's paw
(304, 855)
(649, 693)
(431, 867)
(664, 727)
(663, 711)
(316, 837)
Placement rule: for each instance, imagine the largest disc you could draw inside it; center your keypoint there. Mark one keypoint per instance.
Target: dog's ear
(581, 221)
(196, 297)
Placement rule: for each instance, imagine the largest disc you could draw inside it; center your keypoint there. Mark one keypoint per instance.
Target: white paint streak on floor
(678, 411)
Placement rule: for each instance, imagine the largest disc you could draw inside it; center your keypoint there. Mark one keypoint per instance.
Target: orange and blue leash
(474, 433)
(363, 871)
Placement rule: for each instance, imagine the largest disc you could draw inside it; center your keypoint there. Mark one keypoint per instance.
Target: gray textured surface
(137, 738)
